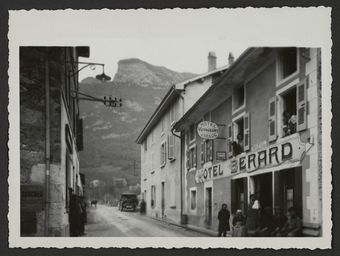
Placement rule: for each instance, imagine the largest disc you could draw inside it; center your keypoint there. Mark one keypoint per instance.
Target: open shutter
(194, 157)
(272, 119)
(171, 147)
(246, 136)
(301, 104)
(211, 150)
(188, 159)
(202, 152)
(230, 140)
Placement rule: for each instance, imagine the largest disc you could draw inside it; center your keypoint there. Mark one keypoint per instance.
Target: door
(208, 205)
(163, 199)
(264, 189)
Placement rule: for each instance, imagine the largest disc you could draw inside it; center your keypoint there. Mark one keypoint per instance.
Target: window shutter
(230, 140)
(188, 159)
(211, 150)
(171, 147)
(301, 106)
(164, 155)
(246, 136)
(202, 152)
(194, 157)
(272, 119)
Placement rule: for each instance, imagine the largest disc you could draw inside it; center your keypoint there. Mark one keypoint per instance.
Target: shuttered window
(246, 136)
(202, 152)
(272, 130)
(301, 104)
(163, 154)
(192, 158)
(230, 140)
(171, 147)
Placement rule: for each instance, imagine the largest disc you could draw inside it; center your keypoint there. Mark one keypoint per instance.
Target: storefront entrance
(288, 189)
(239, 195)
(208, 205)
(263, 189)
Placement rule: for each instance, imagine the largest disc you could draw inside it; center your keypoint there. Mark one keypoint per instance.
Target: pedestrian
(238, 229)
(142, 207)
(223, 219)
(293, 225)
(279, 220)
(252, 220)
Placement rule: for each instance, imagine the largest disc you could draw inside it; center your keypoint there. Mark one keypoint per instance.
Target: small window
(287, 62)
(238, 97)
(193, 202)
(192, 132)
(171, 147)
(163, 154)
(145, 145)
(191, 158)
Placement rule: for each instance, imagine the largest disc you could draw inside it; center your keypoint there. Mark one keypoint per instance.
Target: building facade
(161, 160)
(50, 138)
(267, 107)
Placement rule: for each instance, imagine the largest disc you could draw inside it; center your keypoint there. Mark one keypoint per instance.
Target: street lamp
(108, 101)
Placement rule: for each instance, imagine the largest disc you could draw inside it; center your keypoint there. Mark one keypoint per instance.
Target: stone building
(161, 179)
(266, 107)
(50, 138)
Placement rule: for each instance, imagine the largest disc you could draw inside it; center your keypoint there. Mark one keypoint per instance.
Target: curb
(189, 227)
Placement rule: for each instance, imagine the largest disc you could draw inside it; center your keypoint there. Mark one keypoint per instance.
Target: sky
(178, 39)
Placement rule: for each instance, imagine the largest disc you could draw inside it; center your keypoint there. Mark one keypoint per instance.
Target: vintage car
(128, 201)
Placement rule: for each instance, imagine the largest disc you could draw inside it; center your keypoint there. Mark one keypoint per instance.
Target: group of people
(77, 215)
(259, 222)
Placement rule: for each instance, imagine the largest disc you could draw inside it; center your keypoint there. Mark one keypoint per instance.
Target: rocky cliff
(110, 133)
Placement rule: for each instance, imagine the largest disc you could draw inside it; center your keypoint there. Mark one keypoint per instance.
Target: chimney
(230, 58)
(211, 61)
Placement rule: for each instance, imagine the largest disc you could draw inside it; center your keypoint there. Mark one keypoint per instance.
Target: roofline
(246, 53)
(173, 89)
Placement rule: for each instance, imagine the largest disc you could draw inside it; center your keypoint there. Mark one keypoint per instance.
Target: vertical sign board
(32, 197)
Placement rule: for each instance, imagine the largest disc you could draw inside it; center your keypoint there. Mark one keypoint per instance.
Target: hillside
(110, 133)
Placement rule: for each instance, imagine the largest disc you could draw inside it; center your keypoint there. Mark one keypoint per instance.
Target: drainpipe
(47, 144)
(181, 157)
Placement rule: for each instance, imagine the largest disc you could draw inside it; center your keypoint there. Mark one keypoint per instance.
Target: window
(207, 151)
(238, 97)
(163, 154)
(293, 110)
(238, 135)
(171, 147)
(153, 196)
(287, 62)
(146, 144)
(191, 158)
(193, 201)
(192, 132)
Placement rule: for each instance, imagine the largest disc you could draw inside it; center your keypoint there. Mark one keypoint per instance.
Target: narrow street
(105, 221)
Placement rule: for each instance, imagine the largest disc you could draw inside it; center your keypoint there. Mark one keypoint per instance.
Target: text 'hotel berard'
(249, 129)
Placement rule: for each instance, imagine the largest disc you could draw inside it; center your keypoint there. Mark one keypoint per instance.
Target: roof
(209, 99)
(172, 94)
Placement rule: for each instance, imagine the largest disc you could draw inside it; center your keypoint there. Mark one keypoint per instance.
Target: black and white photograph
(170, 128)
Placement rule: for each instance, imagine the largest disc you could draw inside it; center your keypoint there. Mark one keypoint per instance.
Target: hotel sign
(207, 130)
(215, 171)
(287, 150)
(290, 150)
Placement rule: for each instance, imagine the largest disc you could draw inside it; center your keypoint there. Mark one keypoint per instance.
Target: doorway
(239, 195)
(163, 200)
(264, 189)
(208, 205)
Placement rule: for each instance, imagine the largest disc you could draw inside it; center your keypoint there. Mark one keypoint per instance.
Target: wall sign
(215, 171)
(290, 149)
(221, 155)
(207, 130)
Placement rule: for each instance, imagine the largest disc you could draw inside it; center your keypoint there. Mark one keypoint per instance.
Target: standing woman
(223, 220)
(252, 222)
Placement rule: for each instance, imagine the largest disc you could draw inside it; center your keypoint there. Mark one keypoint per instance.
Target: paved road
(105, 221)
